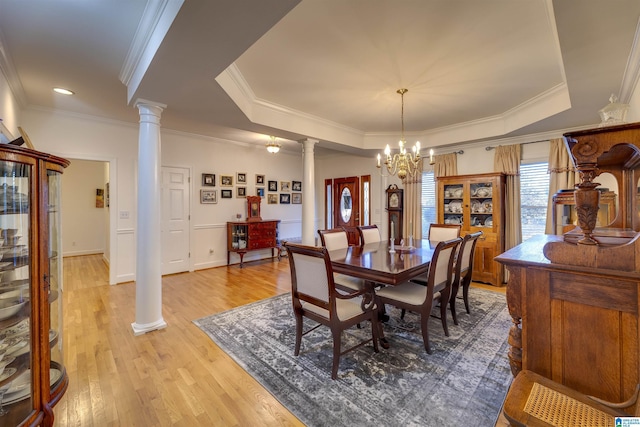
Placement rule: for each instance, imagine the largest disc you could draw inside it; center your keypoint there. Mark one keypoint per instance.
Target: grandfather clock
(394, 207)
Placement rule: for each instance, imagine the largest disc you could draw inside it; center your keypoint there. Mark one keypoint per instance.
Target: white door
(175, 220)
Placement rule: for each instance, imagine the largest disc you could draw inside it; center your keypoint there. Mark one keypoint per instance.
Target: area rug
(463, 381)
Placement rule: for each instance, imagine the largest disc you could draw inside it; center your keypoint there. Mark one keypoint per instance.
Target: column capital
(150, 105)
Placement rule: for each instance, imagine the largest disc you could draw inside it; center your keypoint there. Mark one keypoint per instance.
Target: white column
(308, 193)
(148, 255)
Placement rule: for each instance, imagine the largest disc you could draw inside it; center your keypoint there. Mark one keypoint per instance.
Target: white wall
(83, 224)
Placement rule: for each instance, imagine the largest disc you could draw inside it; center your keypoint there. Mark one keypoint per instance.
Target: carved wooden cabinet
(245, 236)
(575, 298)
(477, 203)
(31, 345)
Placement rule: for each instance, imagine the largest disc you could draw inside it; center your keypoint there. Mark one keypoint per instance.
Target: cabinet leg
(241, 257)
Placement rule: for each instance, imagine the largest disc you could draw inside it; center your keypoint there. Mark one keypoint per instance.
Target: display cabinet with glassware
(245, 236)
(32, 373)
(476, 202)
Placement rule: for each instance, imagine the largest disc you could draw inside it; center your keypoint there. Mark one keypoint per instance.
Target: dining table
(381, 264)
(376, 263)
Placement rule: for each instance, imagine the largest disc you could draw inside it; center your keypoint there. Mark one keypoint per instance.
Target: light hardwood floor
(172, 377)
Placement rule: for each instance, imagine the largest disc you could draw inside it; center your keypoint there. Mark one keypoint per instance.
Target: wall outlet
(124, 214)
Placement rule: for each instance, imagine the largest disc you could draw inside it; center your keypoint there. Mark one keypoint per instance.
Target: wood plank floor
(172, 377)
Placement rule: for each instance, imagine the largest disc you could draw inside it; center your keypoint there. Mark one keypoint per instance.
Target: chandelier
(402, 163)
(272, 146)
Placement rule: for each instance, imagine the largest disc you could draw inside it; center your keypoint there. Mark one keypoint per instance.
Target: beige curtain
(445, 165)
(412, 220)
(562, 175)
(507, 160)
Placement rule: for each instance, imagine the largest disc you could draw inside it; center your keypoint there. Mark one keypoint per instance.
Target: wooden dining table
(375, 264)
(373, 261)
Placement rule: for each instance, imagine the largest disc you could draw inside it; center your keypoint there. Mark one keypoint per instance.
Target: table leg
(382, 316)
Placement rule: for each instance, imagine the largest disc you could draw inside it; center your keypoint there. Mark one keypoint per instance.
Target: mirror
(345, 205)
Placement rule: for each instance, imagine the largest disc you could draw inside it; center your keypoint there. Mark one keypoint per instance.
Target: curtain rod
(489, 148)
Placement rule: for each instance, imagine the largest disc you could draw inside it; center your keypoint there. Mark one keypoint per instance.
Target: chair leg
(443, 317)
(452, 307)
(375, 331)
(402, 313)
(424, 320)
(337, 338)
(298, 334)
(465, 294)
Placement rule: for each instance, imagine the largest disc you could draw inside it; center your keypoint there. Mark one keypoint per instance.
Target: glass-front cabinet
(476, 203)
(32, 373)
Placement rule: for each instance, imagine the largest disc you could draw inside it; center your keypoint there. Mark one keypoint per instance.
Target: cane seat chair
(315, 296)
(419, 298)
(534, 400)
(334, 239)
(463, 271)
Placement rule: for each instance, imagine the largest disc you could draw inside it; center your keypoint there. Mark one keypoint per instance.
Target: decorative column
(148, 255)
(308, 193)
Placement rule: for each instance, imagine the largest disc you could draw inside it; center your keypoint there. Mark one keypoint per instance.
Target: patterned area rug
(463, 381)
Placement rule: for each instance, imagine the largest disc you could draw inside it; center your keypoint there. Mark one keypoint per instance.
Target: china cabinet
(245, 236)
(32, 373)
(564, 212)
(476, 202)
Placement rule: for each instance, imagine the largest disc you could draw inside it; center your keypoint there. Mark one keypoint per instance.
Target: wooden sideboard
(245, 236)
(575, 324)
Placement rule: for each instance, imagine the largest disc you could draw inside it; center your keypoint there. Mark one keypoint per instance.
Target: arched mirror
(345, 204)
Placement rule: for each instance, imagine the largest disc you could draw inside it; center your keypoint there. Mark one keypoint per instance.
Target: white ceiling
(327, 69)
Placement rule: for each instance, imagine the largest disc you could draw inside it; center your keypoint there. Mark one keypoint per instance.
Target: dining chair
(463, 272)
(442, 232)
(369, 234)
(315, 296)
(333, 239)
(418, 298)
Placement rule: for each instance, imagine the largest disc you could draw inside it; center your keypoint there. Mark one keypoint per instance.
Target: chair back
(442, 232)
(464, 261)
(369, 234)
(441, 267)
(311, 276)
(335, 238)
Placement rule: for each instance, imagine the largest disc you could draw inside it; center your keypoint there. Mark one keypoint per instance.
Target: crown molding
(154, 25)
(10, 74)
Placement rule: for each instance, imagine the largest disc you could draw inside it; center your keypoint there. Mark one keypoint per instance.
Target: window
(534, 197)
(428, 202)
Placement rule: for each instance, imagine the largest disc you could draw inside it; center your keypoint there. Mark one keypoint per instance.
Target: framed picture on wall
(259, 179)
(226, 180)
(241, 191)
(226, 194)
(285, 186)
(284, 199)
(296, 198)
(208, 179)
(260, 192)
(272, 199)
(208, 196)
(296, 186)
(241, 178)
(273, 185)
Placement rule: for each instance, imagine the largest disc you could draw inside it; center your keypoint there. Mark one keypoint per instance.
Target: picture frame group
(285, 192)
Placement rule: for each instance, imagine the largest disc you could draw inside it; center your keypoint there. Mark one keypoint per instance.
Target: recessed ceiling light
(62, 91)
